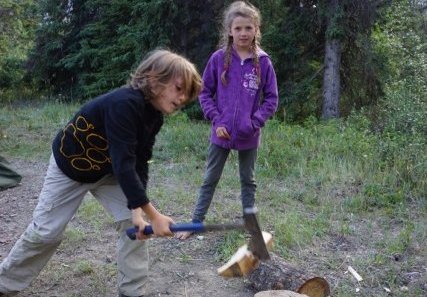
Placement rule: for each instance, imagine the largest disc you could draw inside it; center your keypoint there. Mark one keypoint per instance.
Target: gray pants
(215, 165)
(58, 202)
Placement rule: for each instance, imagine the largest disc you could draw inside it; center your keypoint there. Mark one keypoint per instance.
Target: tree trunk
(331, 76)
(278, 275)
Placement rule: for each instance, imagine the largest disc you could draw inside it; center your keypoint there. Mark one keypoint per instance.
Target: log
(278, 275)
(279, 293)
(243, 261)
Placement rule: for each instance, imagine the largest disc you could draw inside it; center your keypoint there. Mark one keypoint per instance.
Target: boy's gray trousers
(217, 156)
(58, 202)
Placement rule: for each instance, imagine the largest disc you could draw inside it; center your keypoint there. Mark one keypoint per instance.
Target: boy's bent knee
(39, 235)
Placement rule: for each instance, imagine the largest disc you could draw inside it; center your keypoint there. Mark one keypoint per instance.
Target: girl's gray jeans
(217, 156)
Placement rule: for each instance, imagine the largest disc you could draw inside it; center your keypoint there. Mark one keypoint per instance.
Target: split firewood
(278, 275)
(355, 274)
(243, 261)
(279, 293)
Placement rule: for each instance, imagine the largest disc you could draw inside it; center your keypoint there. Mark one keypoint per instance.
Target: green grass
(334, 193)
(91, 212)
(26, 131)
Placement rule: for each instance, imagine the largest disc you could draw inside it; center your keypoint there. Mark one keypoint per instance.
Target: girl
(239, 95)
(104, 150)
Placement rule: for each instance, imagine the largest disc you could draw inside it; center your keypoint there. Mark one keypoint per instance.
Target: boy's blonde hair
(246, 10)
(159, 67)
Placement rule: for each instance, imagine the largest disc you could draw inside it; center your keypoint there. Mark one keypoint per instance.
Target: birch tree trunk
(331, 75)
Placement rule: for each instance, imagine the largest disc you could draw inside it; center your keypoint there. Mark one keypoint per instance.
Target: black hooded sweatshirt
(111, 134)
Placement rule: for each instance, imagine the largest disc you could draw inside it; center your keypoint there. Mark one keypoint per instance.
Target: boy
(104, 150)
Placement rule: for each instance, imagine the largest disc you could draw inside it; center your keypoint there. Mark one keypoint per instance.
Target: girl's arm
(206, 97)
(271, 98)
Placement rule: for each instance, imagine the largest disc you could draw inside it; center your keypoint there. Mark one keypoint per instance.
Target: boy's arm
(121, 129)
(271, 98)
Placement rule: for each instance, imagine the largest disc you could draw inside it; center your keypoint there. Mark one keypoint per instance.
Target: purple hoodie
(238, 106)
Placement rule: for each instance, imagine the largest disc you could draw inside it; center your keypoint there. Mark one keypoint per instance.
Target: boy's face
(243, 32)
(169, 98)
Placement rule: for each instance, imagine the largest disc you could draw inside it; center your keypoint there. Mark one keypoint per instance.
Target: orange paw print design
(90, 151)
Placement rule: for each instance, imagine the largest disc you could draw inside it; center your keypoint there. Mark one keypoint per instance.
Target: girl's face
(170, 97)
(243, 31)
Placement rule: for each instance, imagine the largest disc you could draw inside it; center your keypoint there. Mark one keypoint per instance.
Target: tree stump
(278, 275)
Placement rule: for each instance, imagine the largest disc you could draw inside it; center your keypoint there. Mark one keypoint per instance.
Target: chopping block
(279, 293)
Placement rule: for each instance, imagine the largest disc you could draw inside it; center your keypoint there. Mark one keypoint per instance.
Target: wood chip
(355, 274)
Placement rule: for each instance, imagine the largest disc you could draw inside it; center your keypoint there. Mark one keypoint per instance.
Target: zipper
(242, 62)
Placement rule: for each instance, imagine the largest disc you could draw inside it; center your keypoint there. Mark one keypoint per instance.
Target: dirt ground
(85, 263)
(172, 271)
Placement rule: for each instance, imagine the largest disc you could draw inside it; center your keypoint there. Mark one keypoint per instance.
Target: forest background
(351, 127)
(332, 57)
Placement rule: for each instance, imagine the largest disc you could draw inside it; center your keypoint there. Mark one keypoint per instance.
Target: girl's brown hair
(159, 67)
(246, 10)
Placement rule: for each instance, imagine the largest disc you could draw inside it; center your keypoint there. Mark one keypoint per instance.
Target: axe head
(256, 243)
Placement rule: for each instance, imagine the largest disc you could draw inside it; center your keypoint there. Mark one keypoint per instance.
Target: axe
(250, 223)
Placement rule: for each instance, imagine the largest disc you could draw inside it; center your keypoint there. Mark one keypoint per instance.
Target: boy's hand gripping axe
(250, 223)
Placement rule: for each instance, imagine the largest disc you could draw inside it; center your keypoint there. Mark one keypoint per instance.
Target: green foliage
(87, 47)
(292, 35)
(402, 43)
(16, 38)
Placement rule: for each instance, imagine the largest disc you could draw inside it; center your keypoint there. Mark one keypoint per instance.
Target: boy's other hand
(138, 220)
(161, 225)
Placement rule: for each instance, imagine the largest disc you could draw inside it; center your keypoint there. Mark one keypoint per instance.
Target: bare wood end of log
(279, 293)
(243, 262)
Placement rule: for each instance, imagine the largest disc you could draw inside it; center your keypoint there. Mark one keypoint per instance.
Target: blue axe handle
(194, 227)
